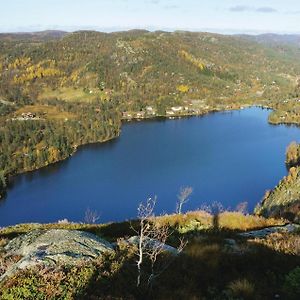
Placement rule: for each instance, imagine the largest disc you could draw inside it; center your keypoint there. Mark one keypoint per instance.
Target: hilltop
(272, 39)
(225, 256)
(33, 36)
(143, 66)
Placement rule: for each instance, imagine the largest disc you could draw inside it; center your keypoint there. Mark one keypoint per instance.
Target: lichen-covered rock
(263, 233)
(55, 246)
(151, 243)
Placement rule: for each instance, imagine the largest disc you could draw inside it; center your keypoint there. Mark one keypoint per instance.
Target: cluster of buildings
(148, 112)
(175, 110)
(26, 116)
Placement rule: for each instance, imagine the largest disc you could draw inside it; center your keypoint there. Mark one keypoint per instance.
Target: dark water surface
(227, 157)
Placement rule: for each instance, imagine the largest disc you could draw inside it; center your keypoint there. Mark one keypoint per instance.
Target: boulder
(263, 233)
(53, 247)
(152, 243)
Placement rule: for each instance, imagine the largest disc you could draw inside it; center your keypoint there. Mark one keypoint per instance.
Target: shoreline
(11, 177)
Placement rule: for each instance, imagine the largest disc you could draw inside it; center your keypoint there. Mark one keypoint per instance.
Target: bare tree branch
(151, 243)
(183, 197)
(91, 216)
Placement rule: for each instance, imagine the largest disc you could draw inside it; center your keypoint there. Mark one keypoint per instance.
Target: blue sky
(225, 16)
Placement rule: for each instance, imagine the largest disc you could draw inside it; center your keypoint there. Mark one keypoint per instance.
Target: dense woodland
(60, 90)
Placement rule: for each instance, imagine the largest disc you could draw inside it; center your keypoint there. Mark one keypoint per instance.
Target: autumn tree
(2, 183)
(293, 154)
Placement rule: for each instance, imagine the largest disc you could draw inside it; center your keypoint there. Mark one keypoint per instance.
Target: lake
(228, 157)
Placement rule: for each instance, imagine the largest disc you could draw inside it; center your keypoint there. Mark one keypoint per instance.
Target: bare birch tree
(91, 216)
(152, 243)
(183, 197)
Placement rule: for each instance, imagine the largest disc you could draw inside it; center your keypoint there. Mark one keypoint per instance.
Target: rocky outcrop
(263, 233)
(152, 243)
(284, 200)
(53, 247)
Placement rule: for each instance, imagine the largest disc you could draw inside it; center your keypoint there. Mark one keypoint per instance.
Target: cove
(230, 157)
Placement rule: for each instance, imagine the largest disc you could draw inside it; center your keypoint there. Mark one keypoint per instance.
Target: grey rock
(151, 243)
(230, 242)
(53, 247)
(262, 233)
(232, 246)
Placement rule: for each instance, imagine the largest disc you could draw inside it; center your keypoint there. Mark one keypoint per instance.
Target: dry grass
(206, 268)
(202, 220)
(45, 112)
(199, 219)
(191, 221)
(68, 94)
(284, 243)
(239, 221)
(7, 261)
(3, 242)
(242, 289)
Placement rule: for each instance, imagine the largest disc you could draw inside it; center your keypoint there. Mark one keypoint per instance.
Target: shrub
(292, 284)
(242, 288)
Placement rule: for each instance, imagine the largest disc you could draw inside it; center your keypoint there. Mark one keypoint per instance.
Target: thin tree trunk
(140, 261)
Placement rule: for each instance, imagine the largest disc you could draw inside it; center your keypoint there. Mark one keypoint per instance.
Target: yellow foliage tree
(183, 88)
(53, 154)
(192, 59)
(293, 154)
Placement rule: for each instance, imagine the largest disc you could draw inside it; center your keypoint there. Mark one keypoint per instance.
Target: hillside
(59, 91)
(34, 36)
(284, 200)
(272, 39)
(97, 261)
(143, 66)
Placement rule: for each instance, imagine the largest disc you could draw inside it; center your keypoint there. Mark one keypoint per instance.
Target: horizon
(119, 30)
(226, 17)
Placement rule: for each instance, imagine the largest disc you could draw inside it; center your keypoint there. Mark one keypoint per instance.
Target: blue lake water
(228, 157)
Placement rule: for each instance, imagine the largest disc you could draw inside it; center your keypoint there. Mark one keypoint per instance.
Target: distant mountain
(275, 39)
(34, 36)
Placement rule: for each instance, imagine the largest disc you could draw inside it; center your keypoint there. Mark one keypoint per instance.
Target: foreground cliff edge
(225, 256)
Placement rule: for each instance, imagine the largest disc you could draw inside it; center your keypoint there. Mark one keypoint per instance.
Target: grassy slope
(208, 268)
(134, 63)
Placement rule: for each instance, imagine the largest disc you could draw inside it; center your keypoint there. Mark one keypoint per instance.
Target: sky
(222, 16)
